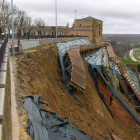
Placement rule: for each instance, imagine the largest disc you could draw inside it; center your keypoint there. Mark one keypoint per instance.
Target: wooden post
(20, 47)
(11, 50)
(69, 67)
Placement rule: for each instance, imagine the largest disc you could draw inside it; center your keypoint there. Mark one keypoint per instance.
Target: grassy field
(136, 53)
(129, 62)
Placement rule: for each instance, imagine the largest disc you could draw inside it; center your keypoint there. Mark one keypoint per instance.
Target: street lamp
(12, 29)
(56, 18)
(75, 23)
(82, 25)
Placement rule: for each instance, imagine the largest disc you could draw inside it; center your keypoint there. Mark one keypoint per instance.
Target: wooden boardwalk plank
(78, 75)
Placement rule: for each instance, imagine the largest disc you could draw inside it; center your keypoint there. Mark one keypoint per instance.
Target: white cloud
(119, 16)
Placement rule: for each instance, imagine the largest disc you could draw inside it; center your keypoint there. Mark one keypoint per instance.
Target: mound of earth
(39, 72)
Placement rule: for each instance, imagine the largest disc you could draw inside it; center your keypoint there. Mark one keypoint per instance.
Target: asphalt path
(131, 55)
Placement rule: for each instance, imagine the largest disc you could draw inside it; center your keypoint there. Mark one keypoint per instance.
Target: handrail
(28, 37)
(3, 44)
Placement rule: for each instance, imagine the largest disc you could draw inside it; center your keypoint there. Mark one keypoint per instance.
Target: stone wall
(5, 98)
(7, 133)
(84, 33)
(27, 44)
(91, 27)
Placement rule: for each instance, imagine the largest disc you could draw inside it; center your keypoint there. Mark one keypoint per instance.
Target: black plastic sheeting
(93, 75)
(116, 95)
(46, 125)
(62, 58)
(36, 130)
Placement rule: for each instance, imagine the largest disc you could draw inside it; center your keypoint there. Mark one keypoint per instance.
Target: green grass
(129, 62)
(136, 53)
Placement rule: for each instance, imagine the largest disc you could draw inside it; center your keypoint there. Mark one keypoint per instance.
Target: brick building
(90, 27)
(47, 30)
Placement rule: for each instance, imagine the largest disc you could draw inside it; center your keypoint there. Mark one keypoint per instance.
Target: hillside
(40, 73)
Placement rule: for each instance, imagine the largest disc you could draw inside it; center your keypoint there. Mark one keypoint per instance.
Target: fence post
(11, 49)
(20, 47)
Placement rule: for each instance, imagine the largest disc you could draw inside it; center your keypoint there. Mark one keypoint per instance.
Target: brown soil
(41, 74)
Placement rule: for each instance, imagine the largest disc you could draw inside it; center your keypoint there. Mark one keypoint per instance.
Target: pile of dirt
(39, 72)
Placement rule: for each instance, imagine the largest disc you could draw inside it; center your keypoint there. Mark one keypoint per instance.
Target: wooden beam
(68, 67)
(66, 60)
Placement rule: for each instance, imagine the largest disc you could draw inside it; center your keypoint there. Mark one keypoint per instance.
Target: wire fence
(3, 44)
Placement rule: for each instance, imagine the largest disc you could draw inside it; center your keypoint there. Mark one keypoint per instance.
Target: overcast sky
(118, 16)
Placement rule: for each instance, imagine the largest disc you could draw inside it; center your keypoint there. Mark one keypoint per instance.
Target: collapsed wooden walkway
(123, 71)
(78, 74)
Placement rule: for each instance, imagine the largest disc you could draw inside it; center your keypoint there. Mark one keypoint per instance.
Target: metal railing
(1, 37)
(3, 44)
(28, 37)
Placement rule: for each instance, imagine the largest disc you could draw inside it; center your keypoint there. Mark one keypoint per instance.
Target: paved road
(10, 42)
(131, 55)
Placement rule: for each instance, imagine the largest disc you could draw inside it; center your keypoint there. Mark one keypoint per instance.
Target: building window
(99, 33)
(99, 26)
(80, 24)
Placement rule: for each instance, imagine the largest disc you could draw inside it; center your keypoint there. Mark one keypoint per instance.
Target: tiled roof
(92, 18)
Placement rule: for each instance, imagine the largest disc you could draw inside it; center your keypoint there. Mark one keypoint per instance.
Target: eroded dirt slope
(39, 73)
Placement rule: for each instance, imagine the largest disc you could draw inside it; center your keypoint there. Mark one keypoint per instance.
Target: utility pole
(82, 25)
(12, 29)
(75, 23)
(56, 18)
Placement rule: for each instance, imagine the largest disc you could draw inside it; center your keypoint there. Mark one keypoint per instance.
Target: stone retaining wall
(27, 44)
(5, 100)
(7, 133)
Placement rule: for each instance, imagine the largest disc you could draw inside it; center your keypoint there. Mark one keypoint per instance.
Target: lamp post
(12, 29)
(56, 18)
(82, 25)
(75, 23)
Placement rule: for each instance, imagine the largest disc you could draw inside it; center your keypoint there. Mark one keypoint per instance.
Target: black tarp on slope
(46, 125)
(36, 130)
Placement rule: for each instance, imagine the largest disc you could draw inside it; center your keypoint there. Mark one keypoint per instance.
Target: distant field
(122, 37)
(127, 62)
(136, 53)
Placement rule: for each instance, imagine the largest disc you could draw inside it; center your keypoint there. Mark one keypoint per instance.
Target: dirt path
(39, 73)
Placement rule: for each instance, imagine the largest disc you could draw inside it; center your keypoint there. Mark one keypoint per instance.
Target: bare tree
(22, 21)
(5, 14)
(39, 24)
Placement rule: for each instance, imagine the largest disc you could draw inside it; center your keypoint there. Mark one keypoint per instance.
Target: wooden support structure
(66, 60)
(123, 71)
(78, 75)
(68, 67)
